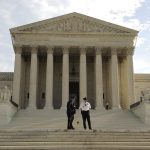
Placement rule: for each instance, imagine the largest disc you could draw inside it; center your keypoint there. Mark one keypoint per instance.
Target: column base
(31, 108)
(100, 108)
(116, 108)
(63, 108)
(48, 108)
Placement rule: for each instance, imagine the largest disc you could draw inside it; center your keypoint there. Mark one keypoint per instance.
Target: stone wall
(6, 84)
(142, 86)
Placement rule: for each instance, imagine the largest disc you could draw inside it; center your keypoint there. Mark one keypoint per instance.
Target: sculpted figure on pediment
(60, 27)
(80, 27)
(68, 26)
(5, 94)
(74, 24)
(146, 94)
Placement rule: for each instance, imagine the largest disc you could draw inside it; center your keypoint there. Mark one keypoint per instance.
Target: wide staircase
(73, 140)
(46, 130)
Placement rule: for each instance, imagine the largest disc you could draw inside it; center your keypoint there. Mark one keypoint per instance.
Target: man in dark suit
(71, 110)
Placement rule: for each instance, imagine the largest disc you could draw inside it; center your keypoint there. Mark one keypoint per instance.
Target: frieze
(74, 24)
(46, 39)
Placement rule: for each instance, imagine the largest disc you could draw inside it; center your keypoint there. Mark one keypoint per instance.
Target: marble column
(65, 77)
(123, 81)
(114, 79)
(83, 74)
(33, 79)
(98, 79)
(130, 79)
(49, 79)
(17, 76)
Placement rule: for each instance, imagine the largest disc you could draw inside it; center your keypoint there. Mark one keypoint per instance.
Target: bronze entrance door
(74, 90)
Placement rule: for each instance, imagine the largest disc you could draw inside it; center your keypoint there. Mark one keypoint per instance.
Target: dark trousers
(86, 116)
(70, 121)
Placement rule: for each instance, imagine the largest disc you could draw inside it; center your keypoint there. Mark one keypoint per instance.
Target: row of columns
(65, 77)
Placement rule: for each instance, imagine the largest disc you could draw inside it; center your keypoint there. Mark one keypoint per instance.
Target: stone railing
(13, 103)
(7, 111)
(135, 104)
(142, 110)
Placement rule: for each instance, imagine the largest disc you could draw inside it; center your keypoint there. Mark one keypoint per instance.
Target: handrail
(12, 102)
(135, 104)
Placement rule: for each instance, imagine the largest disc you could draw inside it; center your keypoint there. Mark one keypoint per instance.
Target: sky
(134, 14)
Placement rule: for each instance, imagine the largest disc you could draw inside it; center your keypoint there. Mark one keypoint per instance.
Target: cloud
(136, 24)
(141, 65)
(16, 13)
(7, 61)
(147, 48)
(140, 41)
(145, 26)
(141, 59)
(33, 10)
(106, 9)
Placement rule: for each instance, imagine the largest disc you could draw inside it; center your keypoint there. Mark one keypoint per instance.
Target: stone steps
(73, 140)
(82, 146)
(77, 140)
(77, 147)
(58, 143)
(56, 119)
(40, 130)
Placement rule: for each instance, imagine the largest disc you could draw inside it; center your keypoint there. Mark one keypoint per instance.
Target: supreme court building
(73, 54)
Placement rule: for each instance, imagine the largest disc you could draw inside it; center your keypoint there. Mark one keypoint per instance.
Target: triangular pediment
(73, 22)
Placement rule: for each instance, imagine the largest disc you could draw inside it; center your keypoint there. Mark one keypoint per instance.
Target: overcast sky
(134, 14)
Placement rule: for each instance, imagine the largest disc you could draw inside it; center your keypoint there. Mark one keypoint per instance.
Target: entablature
(74, 50)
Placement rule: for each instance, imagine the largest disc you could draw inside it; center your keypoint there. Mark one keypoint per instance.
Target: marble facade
(73, 54)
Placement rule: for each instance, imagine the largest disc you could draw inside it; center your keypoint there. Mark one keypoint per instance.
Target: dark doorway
(74, 90)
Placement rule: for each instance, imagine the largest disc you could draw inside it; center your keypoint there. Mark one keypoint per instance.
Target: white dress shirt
(85, 106)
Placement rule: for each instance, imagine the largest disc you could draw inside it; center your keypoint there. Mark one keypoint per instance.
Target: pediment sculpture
(145, 94)
(74, 24)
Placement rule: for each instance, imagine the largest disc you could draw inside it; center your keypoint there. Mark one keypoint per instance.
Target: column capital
(34, 49)
(50, 50)
(18, 49)
(98, 50)
(65, 50)
(82, 50)
(113, 51)
(130, 52)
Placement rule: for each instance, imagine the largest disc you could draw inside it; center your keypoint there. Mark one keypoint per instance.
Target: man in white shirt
(85, 111)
